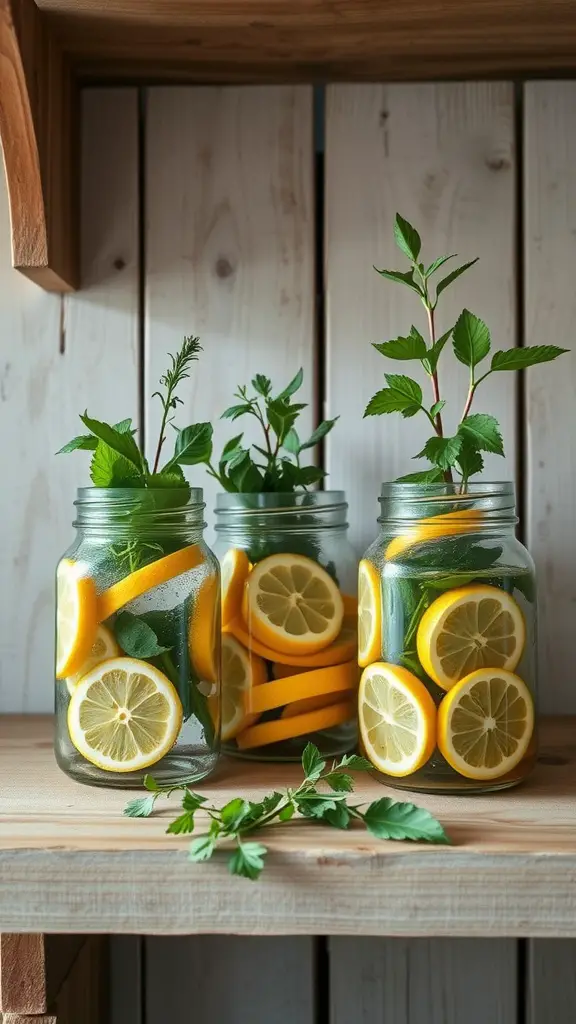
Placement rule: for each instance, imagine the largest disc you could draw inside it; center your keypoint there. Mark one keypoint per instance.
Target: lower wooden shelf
(70, 862)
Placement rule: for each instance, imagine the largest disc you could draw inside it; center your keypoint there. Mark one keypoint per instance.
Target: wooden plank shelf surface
(69, 860)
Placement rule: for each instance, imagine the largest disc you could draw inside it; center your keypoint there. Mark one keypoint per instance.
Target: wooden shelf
(49, 47)
(70, 862)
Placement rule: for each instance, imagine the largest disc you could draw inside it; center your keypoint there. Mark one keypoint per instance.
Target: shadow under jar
(447, 640)
(138, 640)
(289, 619)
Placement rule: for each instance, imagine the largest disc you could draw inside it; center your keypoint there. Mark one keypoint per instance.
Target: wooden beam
(38, 140)
(33, 969)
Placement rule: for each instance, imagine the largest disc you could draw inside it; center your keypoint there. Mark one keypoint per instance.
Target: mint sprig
(275, 464)
(321, 797)
(471, 343)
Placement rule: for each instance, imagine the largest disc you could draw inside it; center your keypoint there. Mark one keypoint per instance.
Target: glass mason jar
(138, 640)
(448, 640)
(289, 614)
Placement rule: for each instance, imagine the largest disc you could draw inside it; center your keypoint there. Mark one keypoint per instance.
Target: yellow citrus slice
(124, 715)
(350, 603)
(485, 723)
(75, 617)
(292, 604)
(301, 707)
(449, 524)
(104, 647)
(264, 733)
(397, 719)
(204, 630)
(306, 684)
(234, 568)
(369, 614)
(280, 671)
(469, 628)
(146, 578)
(240, 672)
(343, 648)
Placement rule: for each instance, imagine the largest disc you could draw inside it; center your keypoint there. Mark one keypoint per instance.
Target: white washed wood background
(226, 247)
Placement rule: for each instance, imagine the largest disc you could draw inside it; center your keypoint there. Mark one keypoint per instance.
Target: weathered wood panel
(551, 981)
(550, 481)
(230, 979)
(59, 355)
(422, 981)
(229, 244)
(444, 157)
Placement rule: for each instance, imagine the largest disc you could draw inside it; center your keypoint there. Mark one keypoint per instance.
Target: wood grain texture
(83, 998)
(314, 39)
(38, 132)
(22, 973)
(58, 356)
(229, 247)
(551, 981)
(422, 981)
(444, 157)
(550, 241)
(510, 871)
(233, 980)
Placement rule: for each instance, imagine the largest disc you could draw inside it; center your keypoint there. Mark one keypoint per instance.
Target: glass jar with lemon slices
(138, 640)
(446, 640)
(289, 624)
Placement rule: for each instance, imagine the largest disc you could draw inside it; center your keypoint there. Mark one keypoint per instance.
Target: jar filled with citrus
(447, 640)
(289, 621)
(138, 630)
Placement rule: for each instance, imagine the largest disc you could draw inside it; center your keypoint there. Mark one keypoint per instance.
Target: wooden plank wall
(203, 212)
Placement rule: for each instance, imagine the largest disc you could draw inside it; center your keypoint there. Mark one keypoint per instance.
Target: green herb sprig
(232, 826)
(277, 464)
(476, 432)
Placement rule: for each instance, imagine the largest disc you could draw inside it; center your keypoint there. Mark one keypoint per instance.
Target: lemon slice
(448, 524)
(75, 617)
(240, 672)
(302, 707)
(397, 719)
(369, 614)
(469, 628)
(124, 715)
(148, 577)
(265, 733)
(305, 684)
(485, 724)
(104, 647)
(204, 631)
(343, 648)
(292, 605)
(234, 569)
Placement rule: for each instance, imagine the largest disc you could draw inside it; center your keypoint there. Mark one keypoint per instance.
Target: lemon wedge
(240, 672)
(75, 617)
(369, 614)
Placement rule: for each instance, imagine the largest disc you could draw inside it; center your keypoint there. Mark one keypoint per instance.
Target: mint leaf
(460, 553)
(109, 469)
(262, 384)
(313, 804)
(193, 445)
(521, 358)
(291, 443)
(483, 432)
(412, 347)
(389, 819)
(151, 785)
(426, 476)
(121, 442)
(231, 448)
(339, 781)
(471, 339)
(84, 442)
(317, 435)
(470, 460)
(307, 475)
(437, 264)
(182, 825)
(282, 416)
(356, 763)
(338, 817)
(294, 385)
(248, 860)
(433, 355)
(443, 451)
(140, 808)
(313, 763)
(287, 812)
(202, 848)
(407, 238)
(244, 474)
(234, 411)
(233, 813)
(390, 400)
(173, 480)
(446, 281)
(136, 638)
(405, 386)
(401, 278)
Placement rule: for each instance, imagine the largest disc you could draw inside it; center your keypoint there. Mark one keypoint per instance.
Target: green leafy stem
(476, 433)
(232, 825)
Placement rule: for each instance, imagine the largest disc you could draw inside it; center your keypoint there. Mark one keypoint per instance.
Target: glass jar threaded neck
(124, 511)
(491, 504)
(301, 511)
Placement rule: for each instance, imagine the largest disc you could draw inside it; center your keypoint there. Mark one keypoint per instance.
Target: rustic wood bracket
(48, 47)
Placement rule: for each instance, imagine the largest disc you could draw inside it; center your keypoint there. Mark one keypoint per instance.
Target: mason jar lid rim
(111, 495)
(475, 489)
(278, 501)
